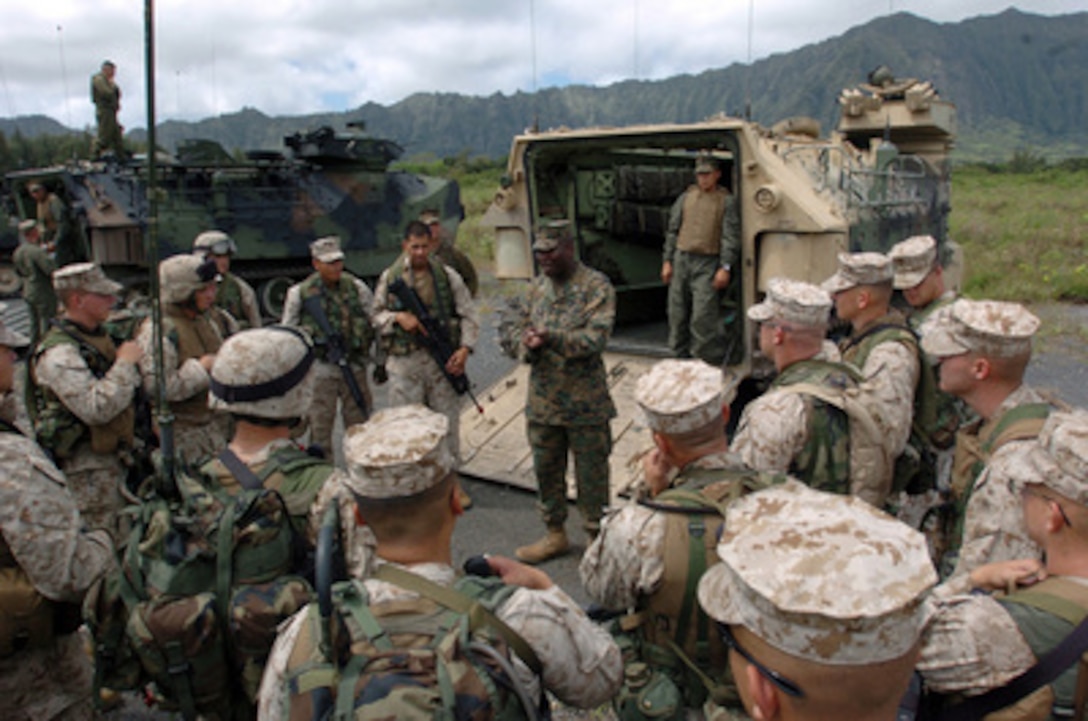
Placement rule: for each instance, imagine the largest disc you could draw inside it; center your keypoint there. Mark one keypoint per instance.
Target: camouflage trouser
(330, 388)
(51, 683)
(591, 446)
(196, 442)
(41, 312)
(695, 318)
(95, 481)
(416, 378)
(109, 136)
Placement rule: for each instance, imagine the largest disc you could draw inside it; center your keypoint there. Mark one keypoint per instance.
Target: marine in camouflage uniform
(87, 384)
(818, 630)
(446, 251)
(702, 243)
(789, 429)
(569, 317)
(996, 336)
(35, 267)
(880, 344)
(43, 546)
(982, 640)
(414, 375)
(349, 307)
(262, 377)
(235, 296)
(190, 342)
(644, 558)
(106, 96)
(59, 234)
(399, 469)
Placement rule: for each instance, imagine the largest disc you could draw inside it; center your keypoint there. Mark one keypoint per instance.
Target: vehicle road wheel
(272, 292)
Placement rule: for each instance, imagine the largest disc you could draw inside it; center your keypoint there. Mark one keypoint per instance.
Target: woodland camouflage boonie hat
(792, 301)
(859, 269)
(1059, 458)
(912, 260)
(399, 452)
(263, 372)
(87, 277)
(988, 327)
(677, 396)
(826, 578)
(327, 249)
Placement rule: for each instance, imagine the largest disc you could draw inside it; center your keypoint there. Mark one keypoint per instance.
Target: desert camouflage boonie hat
(327, 249)
(706, 163)
(859, 269)
(87, 277)
(550, 235)
(677, 396)
(1059, 457)
(912, 260)
(11, 338)
(826, 578)
(987, 327)
(263, 372)
(398, 453)
(792, 301)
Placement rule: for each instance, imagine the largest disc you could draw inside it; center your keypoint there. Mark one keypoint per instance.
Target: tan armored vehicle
(882, 176)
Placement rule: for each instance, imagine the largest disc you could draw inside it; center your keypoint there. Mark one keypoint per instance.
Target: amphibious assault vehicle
(882, 176)
(272, 203)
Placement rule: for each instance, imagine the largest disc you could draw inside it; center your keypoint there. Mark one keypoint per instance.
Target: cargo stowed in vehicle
(881, 177)
(273, 204)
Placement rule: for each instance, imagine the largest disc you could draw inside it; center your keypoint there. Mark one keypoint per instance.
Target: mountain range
(1019, 81)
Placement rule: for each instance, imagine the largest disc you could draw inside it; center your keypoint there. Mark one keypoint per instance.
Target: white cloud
(302, 56)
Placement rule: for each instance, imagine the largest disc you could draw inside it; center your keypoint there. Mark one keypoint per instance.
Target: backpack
(443, 655)
(191, 613)
(674, 658)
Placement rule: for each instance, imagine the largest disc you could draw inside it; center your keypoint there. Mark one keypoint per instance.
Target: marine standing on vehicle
(106, 96)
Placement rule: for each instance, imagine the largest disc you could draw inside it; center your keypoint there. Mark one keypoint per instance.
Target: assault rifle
(435, 339)
(335, 352)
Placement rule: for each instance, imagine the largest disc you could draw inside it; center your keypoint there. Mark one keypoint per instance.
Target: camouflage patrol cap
(551, 234)
(792, 301)
(1059, 457)
(987, 327)
(327, 249)
(859, 269)
(429, 217)
(706, 163)
(263, 372)
(215, 242)
(912, 260)
(11, 338)
(677, 396)
(25, 226)
(182, 275)
(399, 452)
(822, 577)
(87, 277)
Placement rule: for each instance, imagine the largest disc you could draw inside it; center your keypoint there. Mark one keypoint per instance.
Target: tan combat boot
(554, 543)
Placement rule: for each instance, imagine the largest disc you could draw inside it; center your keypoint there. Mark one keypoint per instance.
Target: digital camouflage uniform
(106, 96)
(87, 422)
(35, 267)
(44, 536)
(448, 254)
(238, 298)
(198, 431)
(703, 235)
(414, 376)
(349, 309)
(569, 406)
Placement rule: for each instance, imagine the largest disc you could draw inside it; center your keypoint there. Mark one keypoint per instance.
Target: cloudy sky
(287, 57)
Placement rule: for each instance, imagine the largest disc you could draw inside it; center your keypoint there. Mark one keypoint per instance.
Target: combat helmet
(263, 373)
(215, 242)
(182, 275)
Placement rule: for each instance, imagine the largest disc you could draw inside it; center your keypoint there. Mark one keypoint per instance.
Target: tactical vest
(228, 296)
(57, 429)
(977, 444)
(437, 298)
(676, 636)
(701, 229)
(824, 460)
(193, 337)
(345, 313)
